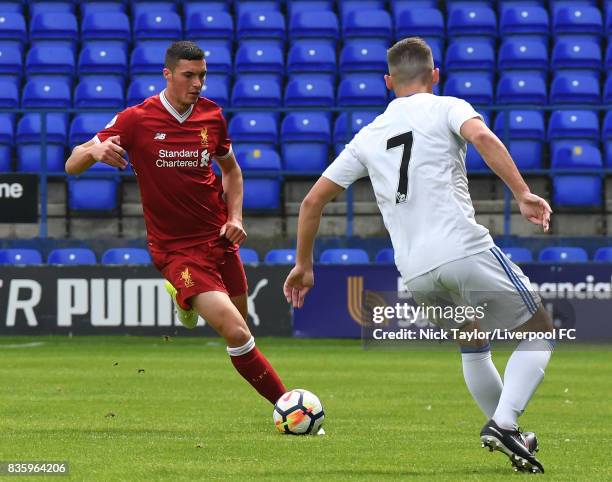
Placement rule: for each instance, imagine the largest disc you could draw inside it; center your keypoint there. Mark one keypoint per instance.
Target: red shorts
(211, 266)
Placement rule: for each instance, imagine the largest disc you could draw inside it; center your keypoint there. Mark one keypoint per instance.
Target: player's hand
(233, 231)
(297, 285)
(109, 152)
(535, 209)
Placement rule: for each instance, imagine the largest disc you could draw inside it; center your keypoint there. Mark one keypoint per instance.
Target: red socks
(256, 369)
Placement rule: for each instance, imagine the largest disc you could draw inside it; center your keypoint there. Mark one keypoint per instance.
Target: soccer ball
(298, 412)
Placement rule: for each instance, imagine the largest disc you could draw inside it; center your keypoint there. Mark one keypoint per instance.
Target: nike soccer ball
(298, 412)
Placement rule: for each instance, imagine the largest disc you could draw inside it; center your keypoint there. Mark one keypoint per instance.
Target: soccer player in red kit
(193, 217)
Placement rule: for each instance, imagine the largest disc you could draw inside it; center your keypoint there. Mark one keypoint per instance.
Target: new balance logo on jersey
(160, 136)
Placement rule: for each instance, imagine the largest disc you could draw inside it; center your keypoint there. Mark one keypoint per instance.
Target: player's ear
(389, 81)
(435, 76)
(167, 73)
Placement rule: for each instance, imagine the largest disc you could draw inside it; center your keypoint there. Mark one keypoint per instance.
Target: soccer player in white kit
(414, 155)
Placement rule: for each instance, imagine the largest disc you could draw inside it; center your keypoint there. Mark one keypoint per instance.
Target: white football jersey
(415, 158)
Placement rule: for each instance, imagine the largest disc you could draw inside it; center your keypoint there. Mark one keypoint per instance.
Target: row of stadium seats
(133, 256)
(305, 56)
(304, 140)
(366, 19)
(313, 90)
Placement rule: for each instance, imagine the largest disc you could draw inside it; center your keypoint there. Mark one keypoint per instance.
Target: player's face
(186, 80)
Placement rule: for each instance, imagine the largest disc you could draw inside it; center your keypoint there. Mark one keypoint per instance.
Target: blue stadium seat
(399, 5)
(579, 19)
(255, 58)
(105, 6)
(143, 87)
(261, 194)
(280, 256)
(577, 190)
(251, 92)
(573, 124)
(42, 92)
(9, 93)
(576, 53)
(524, 20)
(248, 256)
(423, 22)
(607, 98)
(11, 62)
(574, 88)
(344, 256)
(13, 28)
(99, 92)
(472, 21)
(158, 25)
(260, 24)
(147, 59)
(358, 120)
(562, 254)
(216, 88)
(245, 6)
(347, 6)
(126, 256)
(474, 87)
(257, 128)
(29, 142)
(365, 23)
(87, 194)
(218, 59)
(577, 157)
(20, 256)
(608, 59)
(609, 21)
(469, 54)
(309, 91)
(99, 59)
(362, 89)
(314, 25)
(603, 255)
(385, 256)
(50, 60)
(106, 26)
(205, 24)
(143, 6)
(363, 56)
(294, 6)
(72, 256)
(6, 142)
(526, 134)
(518, 255)
(86, 125)
(209, 6)
(521, 88)
(523, 53)
(54, 6)
(312, 56)
(14, 6)
(54, 26)
(305, 141)
(255, 159)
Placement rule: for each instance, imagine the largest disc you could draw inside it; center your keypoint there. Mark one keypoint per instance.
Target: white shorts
(488, 280)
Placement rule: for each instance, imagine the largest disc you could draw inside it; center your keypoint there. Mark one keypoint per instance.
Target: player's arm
(497, 157)
(86, 155)
(233, 189)
(301, 277)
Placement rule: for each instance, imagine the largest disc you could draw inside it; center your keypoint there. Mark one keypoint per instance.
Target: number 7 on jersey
(404, 140)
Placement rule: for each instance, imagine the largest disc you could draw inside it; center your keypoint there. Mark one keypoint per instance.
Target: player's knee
(539, 322)
(237, 335)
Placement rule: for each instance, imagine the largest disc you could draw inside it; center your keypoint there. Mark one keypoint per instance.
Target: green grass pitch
(135, 408)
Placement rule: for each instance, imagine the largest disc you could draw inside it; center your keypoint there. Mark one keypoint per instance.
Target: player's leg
(525, 369)
(480, 374)
(251, 365)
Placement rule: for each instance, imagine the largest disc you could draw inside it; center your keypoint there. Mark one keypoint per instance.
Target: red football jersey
(171, 155)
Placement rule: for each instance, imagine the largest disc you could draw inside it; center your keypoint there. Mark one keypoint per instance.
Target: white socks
(482, 379)
(242, 350)
(524, 372)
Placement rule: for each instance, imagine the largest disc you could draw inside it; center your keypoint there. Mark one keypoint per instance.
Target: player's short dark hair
(183, 49)
(410, 60)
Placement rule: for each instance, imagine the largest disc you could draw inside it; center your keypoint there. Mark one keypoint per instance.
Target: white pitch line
(23, 345)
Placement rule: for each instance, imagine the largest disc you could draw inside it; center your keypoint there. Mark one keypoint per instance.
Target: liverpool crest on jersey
(186, 277)
(204, 137)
